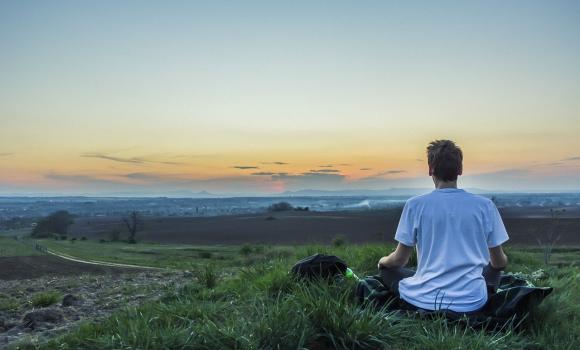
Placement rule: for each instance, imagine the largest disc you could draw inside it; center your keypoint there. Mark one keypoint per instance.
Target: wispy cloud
(571, 159)
(326, 166)
(130, 160)
(365, 169)
(262, 173)
(325, 171)
(275, 163)
(245, 167)
(5, 154)
(390, 172)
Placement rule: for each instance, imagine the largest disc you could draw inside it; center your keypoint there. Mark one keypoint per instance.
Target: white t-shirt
(453, 231)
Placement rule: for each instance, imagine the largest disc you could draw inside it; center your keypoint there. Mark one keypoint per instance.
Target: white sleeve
(405, 230)
(497, 233)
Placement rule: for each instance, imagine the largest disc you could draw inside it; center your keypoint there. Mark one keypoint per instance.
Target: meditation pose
(458, 237)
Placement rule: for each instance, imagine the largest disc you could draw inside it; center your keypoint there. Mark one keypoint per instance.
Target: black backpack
(319, 266)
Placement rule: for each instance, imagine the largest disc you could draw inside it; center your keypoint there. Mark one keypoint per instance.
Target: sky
(252, 98)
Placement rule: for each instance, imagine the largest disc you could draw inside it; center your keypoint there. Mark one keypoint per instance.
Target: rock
(70, 300)
(35, 318)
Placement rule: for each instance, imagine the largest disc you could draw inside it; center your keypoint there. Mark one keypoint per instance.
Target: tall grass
(264, 307)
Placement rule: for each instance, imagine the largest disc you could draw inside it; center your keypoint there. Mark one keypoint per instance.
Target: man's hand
(398, 258)
(383, 262)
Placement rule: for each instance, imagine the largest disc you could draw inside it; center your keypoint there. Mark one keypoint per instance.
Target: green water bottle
(349, 274)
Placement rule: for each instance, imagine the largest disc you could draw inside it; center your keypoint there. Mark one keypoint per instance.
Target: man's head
(445, 160)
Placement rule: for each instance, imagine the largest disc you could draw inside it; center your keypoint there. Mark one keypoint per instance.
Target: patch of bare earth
(80, 298)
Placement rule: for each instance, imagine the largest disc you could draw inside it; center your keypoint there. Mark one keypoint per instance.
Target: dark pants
(392, 276)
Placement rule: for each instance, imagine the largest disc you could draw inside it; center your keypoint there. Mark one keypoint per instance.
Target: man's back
(453, 231)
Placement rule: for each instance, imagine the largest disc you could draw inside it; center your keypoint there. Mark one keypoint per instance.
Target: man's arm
(398, 258)
(497, 258)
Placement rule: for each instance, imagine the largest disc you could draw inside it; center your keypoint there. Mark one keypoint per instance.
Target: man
(458, 236)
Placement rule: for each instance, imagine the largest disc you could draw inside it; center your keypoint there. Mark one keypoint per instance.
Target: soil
(305, 228)
(25, 267)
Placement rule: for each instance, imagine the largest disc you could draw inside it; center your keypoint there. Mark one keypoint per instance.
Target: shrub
(63, 237)
(83, 238)
(208, 277)
(280, 206)
(205, 255)
(45, 299)
(246, 249)
(339, 241)
(102, 241)
(74, 239)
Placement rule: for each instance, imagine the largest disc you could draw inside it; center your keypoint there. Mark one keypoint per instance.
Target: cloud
(5, 154)
(261, 173)
(390, 172)
(131, 160)
(326, 166)
(571, 159)
(325, 171)
(344, 164)
(365, 169)
(276, 163)
(245, 167)
(309, 180)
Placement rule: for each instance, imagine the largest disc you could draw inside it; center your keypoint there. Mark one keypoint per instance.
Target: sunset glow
(263, 97)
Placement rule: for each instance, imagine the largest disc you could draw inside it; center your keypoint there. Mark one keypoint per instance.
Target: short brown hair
(445, 158)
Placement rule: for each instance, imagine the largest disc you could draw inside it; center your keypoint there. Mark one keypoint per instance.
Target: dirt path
(99, 263)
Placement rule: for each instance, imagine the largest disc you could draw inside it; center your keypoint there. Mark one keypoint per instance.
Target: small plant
(208, 277)
(115, 235)
(8, 303)
(339, 241)
(551, 236)
(45, 299)
(74, 239)
(102, 241)
(205, 255)
(63, 237)
(83, 238)
(246, 250)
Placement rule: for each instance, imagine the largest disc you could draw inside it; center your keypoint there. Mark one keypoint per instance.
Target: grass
(10, 247)
(260, 306)
(45, 299)
(174, 256)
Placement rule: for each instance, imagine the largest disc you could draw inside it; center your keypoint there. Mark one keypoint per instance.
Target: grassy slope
(260, 307)
(11, 247)
(185, 257)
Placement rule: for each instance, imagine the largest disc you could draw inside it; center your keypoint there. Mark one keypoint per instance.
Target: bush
(83, 238)
(63, 237)
(45, 299)
(205, 255)
(74, 239)
(246, 249)
(339, 241)
(208, 277)
(280, 206)
(102, 241)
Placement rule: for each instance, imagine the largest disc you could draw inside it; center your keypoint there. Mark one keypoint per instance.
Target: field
(240, 296)
(248, 301)
(287, 228)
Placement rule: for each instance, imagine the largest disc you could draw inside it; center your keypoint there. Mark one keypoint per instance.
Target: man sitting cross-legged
(458, 237)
